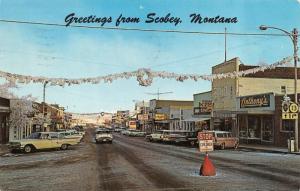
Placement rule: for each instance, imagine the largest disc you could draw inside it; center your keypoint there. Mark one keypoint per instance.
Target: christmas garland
(143, 75)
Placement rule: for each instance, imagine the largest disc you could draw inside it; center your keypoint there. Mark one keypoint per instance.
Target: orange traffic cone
(207, 168)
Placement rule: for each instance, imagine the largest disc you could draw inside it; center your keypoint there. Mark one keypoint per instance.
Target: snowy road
(130, 163)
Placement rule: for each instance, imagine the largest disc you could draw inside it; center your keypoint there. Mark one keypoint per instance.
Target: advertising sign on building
(205, 106)
(132, 124)
(160, 117)
(206, 143)
(255, 101)
(143, 117)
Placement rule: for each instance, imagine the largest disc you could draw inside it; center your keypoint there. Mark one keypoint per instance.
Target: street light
(294, 37)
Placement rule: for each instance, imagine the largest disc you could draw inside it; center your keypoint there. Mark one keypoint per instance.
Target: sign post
(206, 145)
(290, 112)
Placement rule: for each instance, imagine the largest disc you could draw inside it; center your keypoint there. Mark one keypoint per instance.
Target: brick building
(251, 123)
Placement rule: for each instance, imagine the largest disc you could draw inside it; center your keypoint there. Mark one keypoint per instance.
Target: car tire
(222, 146)
(64, 147)
(28, 149)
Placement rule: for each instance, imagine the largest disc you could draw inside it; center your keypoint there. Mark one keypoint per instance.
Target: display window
(254, 127)
(267, 129)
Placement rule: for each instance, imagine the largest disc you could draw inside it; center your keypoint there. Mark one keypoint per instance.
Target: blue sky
(73, 53)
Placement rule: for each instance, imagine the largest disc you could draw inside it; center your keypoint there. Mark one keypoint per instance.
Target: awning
(196, 119)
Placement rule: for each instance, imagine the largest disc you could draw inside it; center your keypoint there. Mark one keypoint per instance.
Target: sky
(67, 52)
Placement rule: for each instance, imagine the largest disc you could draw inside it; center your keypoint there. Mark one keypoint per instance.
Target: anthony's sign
(255, 101)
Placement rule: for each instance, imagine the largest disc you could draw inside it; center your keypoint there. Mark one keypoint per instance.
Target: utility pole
(225, 50)
(295, 42)
(44, 102)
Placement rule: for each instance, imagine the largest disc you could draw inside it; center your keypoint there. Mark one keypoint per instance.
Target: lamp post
(294, 37)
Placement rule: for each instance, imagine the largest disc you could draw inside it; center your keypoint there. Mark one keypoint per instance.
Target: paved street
(130, 163)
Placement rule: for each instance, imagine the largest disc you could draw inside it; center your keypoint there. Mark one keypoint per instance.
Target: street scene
(131, 163)
(140, 95)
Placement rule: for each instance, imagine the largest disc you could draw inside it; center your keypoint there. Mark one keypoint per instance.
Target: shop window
(242, 126)
(254, 127)
(288, 125)
(267, 129)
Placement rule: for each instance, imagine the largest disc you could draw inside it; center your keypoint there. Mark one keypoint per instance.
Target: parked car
(124, 132)
(224, 139)
(42, 140)
(156, 136)
(103, 135)
(173, 136)
(136, 133)
(72, 134)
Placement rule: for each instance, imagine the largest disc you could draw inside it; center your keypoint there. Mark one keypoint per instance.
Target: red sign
(205, 141)
(205, 136)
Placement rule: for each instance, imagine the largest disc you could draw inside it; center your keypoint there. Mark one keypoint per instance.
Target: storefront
(4, 120)
(255, 118)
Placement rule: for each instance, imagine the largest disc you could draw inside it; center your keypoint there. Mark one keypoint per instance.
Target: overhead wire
(139, 29)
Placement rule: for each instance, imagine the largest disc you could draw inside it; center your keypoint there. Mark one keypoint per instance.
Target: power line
(140, 29)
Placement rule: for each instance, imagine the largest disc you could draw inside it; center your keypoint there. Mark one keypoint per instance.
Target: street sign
(293, 108)
(289, 110)
(206, 143)
(286, 115)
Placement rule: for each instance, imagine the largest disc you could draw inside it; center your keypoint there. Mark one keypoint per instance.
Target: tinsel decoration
(144, 76)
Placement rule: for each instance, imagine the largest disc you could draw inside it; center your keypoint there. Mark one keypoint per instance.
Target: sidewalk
(3, 149)
(266, 148)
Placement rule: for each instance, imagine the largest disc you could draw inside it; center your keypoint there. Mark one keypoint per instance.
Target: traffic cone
(207, 167)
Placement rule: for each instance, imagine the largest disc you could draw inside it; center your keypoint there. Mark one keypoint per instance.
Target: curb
(268, 150)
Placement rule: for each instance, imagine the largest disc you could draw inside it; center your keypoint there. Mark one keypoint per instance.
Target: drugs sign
(206, 143)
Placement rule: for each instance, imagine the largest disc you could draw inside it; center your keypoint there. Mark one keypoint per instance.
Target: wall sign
(160, 117)
(255, 101)
(205, 106)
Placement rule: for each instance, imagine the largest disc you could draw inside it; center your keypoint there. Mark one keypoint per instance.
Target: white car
(72, 134)
(156, 136)
(103, 135)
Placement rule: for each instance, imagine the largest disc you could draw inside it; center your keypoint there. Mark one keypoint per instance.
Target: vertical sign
(206, 143)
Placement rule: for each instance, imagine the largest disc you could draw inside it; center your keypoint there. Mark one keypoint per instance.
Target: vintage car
(72, 134)
(155, 137)
(103, 135)
(174, 136)
(224, 139)
(42, 140)
(136, 133)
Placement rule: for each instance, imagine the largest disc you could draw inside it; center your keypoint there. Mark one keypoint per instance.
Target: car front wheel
(27, 149)
(64, 147)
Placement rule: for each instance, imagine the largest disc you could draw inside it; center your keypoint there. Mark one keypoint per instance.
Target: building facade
(4, 120)
(250, 123)
(171, 115)
(202, 110)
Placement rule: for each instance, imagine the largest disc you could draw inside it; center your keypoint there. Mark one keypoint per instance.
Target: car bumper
(15, 147)
(104, 139)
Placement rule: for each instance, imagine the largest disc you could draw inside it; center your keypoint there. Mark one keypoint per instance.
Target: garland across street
(143, 75)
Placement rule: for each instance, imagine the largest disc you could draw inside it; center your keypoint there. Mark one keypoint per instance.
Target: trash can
(291, 145)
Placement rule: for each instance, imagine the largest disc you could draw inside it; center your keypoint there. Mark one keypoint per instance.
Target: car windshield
(102, 132)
